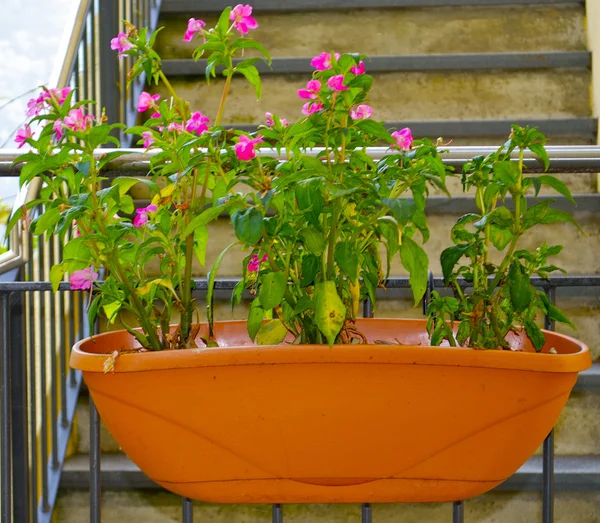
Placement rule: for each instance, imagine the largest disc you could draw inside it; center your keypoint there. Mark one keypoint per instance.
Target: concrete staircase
(461, 69)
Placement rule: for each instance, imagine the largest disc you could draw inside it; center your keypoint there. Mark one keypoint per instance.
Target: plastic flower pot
(309, 424)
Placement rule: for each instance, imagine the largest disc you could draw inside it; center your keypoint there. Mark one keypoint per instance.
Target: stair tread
(118, 471)
(416, 62)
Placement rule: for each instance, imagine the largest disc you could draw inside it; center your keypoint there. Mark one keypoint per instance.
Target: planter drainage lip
(90, 354)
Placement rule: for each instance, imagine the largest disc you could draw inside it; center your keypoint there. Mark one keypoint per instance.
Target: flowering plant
(313, 221)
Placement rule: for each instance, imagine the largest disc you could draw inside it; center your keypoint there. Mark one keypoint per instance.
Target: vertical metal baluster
(428, 291)
(62, 353)
(5, 419)
(44, 400)
(73, 301)
(53, 367)
(366, 513)
(95, 485)
(458, 512)
(277, 513)
(548, 448)
(187, 510)
(32, 391)
(367, 308)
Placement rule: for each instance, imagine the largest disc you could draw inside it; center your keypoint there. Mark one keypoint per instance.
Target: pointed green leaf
(330, 312)
(415, 261)
(256, 317)
(346, 256)
(535, 334)
(272, 290)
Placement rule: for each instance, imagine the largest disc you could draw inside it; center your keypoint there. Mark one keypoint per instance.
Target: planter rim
(90, 354)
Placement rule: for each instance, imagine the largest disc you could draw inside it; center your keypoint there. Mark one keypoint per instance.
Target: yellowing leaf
(330, 312)
(271, 333)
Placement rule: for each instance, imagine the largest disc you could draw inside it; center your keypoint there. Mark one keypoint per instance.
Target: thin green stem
(224, 95)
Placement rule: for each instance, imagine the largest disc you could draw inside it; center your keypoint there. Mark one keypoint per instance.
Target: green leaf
(415, 261)
(77, 250)
(248, 225)
(402, 209)
(272, 290)
(558, 216)
(310, 267)
(464, 332)
(346, 256)
(272, 332)
(535, 214)
(46, 221)
(204, 218)
(310, 199)
(201, 243)
(256, 317)
(223, 23)
(127, 183)
(57, 273)
(330, 312)
(313, 241)
(248, 43)
(253, 77)
(449, 258)
(540, 152)
(210, 290)
(375, 129)
(558, 185)
(507, 172)
(521, 291)
(390, 230)
(303, 304)
(111, 310)
(535, 334)
(500, 237)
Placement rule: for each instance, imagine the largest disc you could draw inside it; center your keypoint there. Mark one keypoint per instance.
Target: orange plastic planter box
(310, 424)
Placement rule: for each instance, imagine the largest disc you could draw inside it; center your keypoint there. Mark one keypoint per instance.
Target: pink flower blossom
(175, 126)
(323, 61)
(148, 139)
(361, 112)
(76, 231)
(82, 280)
(147, 100)
(242, 20)
(312, 90)
(254, 264)
(197, 123)
(245, 148)
(58, 129)
(155, 115)
(403, 138)
(358, 69)
(337, 83)
(141, 218)
(59, 95)
(35, 105)
(311, 107)
(23, 134)
(120, 43)
(77, 120)
(194, 26)
(271, 122)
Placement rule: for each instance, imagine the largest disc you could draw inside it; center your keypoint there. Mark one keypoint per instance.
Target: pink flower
(141, 218)
(58, 129)
(358, 69)
(361, 112)
(82, 280)
(194, 26)
(403, 138)
(155, 115)
(245, 148)
(323, 61)
(59, 95)
(23, 134)
(175, 126)
(312, 90)
(197, 123)
(35, 105)
(309, 108)
(271, 122)
(120, 43)
(78, 121)
(147, 100)
(243, 22)
(254, 264)
(337, 83)
(76, 231)
(148, 139)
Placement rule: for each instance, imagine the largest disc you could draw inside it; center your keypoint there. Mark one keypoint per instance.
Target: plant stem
(224, 95)
(332, 238)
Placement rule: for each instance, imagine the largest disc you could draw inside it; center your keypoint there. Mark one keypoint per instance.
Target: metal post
(548, 448)
(20, 446)
(109, 61)
(277, 512)
(458, 512)
(5, 417)
(187, 510)
(428, 291)
(366, 514)
(367, 308)
(94, 464)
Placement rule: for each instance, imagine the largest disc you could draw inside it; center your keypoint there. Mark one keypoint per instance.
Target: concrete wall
(593, 36)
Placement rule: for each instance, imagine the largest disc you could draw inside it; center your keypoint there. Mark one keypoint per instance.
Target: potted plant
(306, 401)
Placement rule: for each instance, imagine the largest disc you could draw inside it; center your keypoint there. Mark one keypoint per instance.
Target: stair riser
(401, 31)
(145, 507)
(411, 96)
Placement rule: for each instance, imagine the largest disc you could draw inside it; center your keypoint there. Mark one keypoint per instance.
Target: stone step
(581, 473)
(302, 29)
(413, 96)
